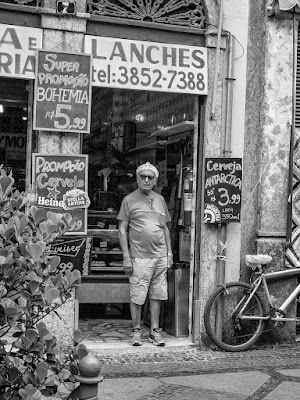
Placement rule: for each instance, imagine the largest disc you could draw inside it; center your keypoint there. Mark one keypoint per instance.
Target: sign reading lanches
(223, 185)
(62, 92)
(57, 175)
(133, 64)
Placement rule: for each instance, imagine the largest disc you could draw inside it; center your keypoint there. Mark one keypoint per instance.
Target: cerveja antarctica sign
(222, 191)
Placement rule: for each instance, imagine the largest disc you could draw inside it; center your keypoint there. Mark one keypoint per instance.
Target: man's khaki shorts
(149, 276)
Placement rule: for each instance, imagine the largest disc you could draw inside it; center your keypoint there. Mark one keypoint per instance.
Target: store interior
(128, 128)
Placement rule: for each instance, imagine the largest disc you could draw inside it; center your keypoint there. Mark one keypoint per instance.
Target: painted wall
(236, 15)
(267, 143)
(235, 22)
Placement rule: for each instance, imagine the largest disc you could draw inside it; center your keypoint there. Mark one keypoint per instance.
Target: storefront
(146, 104)
(131, 125)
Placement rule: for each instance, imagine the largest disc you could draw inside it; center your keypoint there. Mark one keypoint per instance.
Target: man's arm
(123, 237)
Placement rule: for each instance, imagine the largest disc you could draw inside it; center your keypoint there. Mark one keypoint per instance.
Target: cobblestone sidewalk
(269, 373)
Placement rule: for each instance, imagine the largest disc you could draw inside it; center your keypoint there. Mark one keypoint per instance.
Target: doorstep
(114, 334)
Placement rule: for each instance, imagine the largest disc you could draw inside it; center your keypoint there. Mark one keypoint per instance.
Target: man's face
(146, 180)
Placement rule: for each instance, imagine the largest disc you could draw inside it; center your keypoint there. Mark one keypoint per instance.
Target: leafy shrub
(31, 287)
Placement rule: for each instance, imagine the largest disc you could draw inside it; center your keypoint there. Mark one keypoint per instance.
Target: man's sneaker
(156, 338)
(136, 339)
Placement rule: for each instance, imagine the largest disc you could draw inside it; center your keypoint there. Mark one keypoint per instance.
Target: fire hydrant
(89, 379)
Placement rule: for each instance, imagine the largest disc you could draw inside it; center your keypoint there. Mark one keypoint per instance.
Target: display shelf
(107, 252)
(104, 232)
(152, 145)
(103, 214)
(106, 269)
(174, 129)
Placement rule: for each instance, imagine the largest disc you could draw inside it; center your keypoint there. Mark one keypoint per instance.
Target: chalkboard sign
(74, 253)
(222, 192)
(62, 100)
(54, 176)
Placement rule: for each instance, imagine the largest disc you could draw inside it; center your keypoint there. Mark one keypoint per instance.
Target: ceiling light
(1, 108)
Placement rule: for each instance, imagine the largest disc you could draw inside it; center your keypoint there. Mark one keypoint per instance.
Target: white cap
(148, 166)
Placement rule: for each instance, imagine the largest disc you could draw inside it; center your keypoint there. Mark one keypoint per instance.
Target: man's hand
(127, 265)
(170, 260)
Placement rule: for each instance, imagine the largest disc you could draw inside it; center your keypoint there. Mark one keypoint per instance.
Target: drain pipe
(225, 152)
(213, 100)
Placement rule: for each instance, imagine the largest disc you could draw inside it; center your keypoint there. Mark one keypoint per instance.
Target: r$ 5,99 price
(63, 121)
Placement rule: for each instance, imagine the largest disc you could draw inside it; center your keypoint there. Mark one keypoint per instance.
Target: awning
(284, 9)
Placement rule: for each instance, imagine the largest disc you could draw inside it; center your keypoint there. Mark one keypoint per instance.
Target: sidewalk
(188, 373)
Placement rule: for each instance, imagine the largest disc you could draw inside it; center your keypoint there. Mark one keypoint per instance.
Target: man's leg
(155, 335)
(136, 336)
(136, 312)
(154, 313)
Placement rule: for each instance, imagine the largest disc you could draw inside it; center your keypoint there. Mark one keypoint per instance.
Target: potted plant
(31, 287)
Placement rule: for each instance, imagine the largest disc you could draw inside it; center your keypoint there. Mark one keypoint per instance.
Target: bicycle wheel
(223, 326)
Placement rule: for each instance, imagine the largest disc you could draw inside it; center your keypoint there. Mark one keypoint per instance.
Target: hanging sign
(222, 193)
(18, 45)
(74, 253)
(55, 177)
(133, 64)
(62, 100)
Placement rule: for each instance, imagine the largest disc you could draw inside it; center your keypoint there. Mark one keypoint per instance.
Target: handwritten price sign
(62, 92)
(56, 175)
(223, 185)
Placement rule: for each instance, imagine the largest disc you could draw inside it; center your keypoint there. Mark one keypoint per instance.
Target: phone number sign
(62, 100)
(223, 186)
(131, 64)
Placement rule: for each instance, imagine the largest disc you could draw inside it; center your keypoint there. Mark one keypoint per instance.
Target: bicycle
(235, 314)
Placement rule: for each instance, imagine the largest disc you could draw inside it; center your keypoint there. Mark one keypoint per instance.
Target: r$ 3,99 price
(225, 199)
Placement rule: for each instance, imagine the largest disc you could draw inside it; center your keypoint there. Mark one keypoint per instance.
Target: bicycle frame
(262, 279)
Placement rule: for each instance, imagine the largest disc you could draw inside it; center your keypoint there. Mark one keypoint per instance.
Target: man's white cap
(148, 166)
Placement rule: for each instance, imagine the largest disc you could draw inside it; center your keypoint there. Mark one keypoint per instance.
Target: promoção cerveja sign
(62, 100)
(18, 47)
(132, 64)
(57, 175)
(222, 190)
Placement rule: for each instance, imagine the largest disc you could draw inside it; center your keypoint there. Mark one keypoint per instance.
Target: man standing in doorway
(146, 246)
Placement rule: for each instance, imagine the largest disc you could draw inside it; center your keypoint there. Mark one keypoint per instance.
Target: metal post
(89, 379)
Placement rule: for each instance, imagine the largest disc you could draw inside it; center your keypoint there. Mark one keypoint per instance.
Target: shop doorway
(13, 128)
(129, 128)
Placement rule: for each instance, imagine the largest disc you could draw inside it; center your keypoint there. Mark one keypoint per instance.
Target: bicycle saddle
(253, 259)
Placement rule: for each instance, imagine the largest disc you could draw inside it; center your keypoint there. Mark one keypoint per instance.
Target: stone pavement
(190, 373)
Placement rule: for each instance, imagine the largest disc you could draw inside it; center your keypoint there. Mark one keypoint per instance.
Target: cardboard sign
(74, 253)
(223, 185)
(62, 100)
(142, 65)
(54, 176)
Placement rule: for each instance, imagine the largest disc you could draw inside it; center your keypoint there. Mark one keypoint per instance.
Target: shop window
(13, 128)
